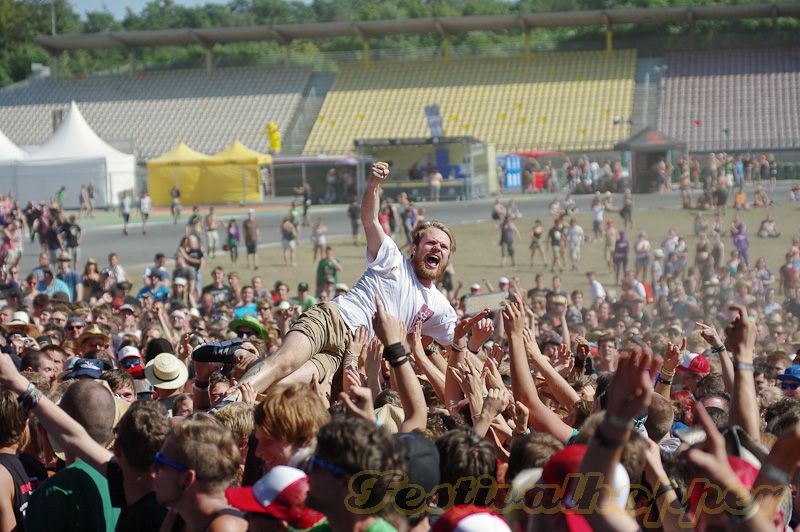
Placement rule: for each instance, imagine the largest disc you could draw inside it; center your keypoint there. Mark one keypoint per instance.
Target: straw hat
(93, 331)
(21, 323)
(166, 371)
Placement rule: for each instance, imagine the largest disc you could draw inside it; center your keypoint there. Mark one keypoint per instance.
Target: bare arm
(562, 391)
(58, 424)
(7, 521)
(370, 207)
(711, 336)
(740, 339)
(541, 418)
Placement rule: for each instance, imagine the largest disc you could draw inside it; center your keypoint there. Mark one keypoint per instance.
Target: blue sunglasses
(315, 461)
(162, 460)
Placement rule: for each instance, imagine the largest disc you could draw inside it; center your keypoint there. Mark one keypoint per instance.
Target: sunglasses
(74, 327)
(163, 461)
(131, 363)
(315, 461)
(789, 385)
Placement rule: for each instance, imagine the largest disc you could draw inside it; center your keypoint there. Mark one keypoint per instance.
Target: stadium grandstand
(723, 100)
(156, 110)
(563, 101)
(582, 101)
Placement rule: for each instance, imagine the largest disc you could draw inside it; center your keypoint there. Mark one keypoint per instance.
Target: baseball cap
(694, 362)
(792, 373)
(180, 281)
(90, 367)
(342, 286)
(127, 306)
(503, 280)
(470, 518)
(302, 287)
(475, 286)
(281, 493)
(178, 313)
(129, 351)
(421, 459)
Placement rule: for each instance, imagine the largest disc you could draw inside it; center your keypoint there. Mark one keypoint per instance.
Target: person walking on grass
(251, 236)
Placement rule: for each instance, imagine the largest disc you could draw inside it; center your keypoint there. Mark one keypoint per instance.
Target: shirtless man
(211, 224)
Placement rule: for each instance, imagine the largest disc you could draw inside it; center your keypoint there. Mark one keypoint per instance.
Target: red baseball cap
(280, 493)
(470, 518)
(694, 362)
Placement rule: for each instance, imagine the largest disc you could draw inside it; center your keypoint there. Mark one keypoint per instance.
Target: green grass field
(478, 253)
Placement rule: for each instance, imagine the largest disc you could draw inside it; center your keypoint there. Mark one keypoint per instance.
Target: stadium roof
(285, 33)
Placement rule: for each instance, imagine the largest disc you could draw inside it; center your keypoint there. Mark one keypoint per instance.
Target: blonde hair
(237, 418)
(291, 413)
(209, 449)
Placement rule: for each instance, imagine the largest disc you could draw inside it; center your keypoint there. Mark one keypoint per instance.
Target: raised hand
(709, 334)
(582, 349)
(496, 401)
(323, 389)
(631, 389)
(482, 330)
(740, 335)
(359, 403)
(497, 354)
(359, 340)
(492, 375)
(464, 326)
(248, 393)
(380, 171)
(521, 413)
(514, 317)
(672, 356)
(711, 456)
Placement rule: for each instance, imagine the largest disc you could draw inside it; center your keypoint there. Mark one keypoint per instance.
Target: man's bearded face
(431, 255)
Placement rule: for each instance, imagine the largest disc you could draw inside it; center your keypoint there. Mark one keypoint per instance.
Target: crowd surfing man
(318, 341)
(390, 407)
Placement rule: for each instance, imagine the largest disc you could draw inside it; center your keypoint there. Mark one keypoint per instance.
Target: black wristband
(396, 363)
(664, 381)
(393, 352)
(718, 349)
(663, 489)
(606, 442)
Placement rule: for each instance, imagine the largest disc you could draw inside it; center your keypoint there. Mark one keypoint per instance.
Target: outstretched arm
(370, 206)
(58, 424)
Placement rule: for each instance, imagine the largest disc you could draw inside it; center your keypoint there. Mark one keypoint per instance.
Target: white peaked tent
(73, 156)
(8, 150)
(9, 155)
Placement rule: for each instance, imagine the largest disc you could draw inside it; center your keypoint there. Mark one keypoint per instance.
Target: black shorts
(145, 216)
(126, 217)
(251, 247)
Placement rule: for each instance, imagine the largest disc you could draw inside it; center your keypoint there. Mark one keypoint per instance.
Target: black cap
(302, 287)
(421, 461)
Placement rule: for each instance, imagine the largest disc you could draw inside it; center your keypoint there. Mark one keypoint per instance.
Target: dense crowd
(666, 401)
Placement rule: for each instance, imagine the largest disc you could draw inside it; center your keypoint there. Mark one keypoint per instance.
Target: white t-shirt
(144, 204)
(597, 213)
(391, 276)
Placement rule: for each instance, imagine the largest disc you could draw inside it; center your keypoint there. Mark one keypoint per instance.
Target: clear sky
(117, 7)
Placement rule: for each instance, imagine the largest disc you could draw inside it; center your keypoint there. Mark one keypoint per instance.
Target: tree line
(22, 20)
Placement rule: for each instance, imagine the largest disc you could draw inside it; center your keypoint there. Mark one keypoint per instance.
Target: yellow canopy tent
(180, 166)
(230, 176)
(235, 174)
